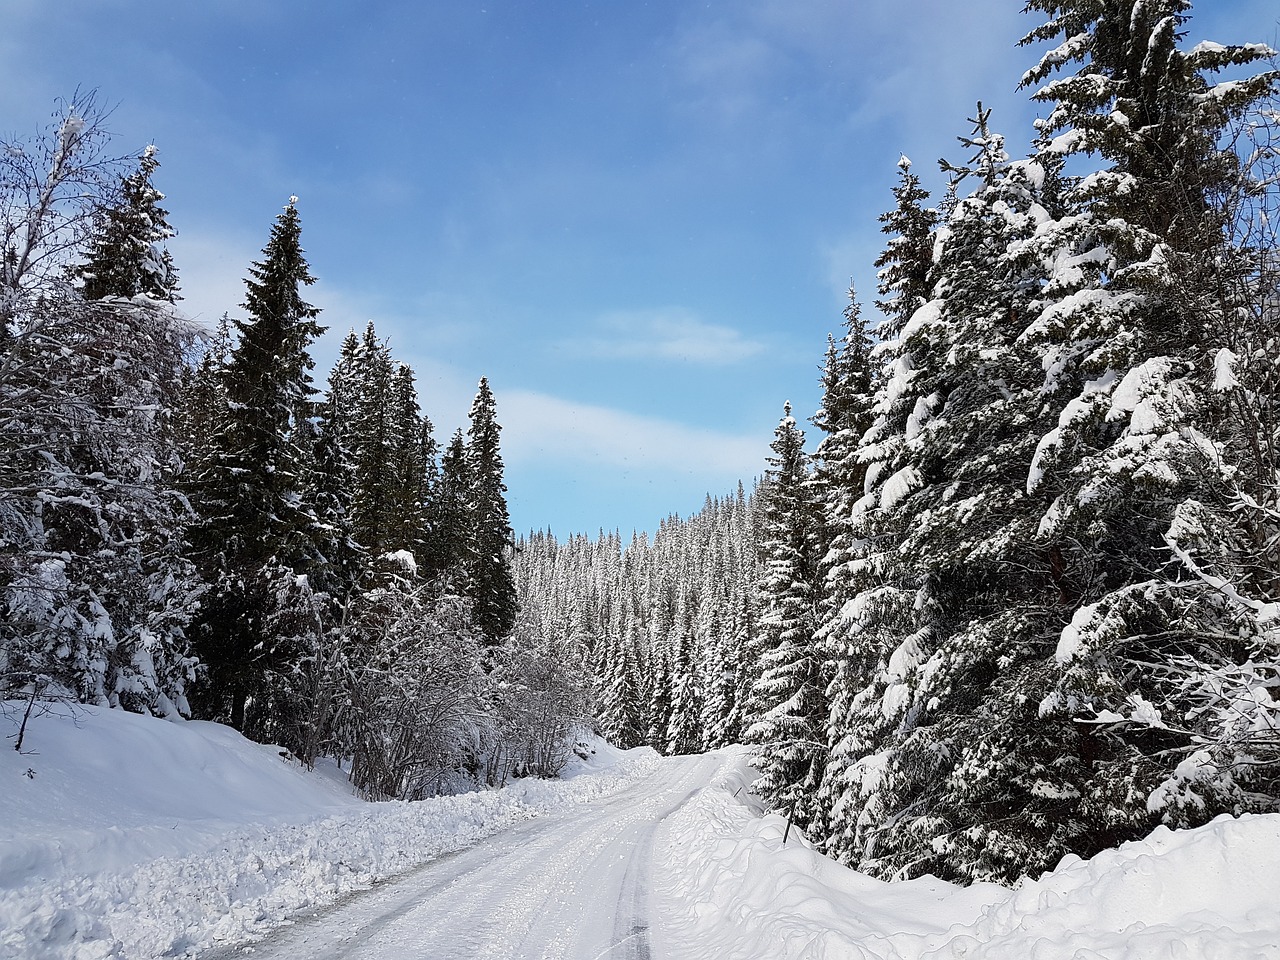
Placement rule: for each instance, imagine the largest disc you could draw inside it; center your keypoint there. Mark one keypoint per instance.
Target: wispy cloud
(541, 427)
(673, 334)
(211, 271)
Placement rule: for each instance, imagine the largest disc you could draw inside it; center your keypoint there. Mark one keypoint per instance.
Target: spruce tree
(450, 541)
(969, 676)
(257, 542)
(837, 487)
(621, 714)
(127, 256)
(1140, 522)
(371, 444)
(94, 586)
(685, 730)
(490, 583)
(905, 265)
(788, 709)
(413, 453)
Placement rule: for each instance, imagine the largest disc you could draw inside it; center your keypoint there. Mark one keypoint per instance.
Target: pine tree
(659, 701)
(967, 678)
(334, 483)
(450, 542)
(837, 487)
(490, 583)
(684, 733)
(413, 453)
(907, 260)
(127, 257)
(257, 542)
(622, 720)
(1140, 524)
(875, 595)
(94, 586)
(371, 444)
(788, 709)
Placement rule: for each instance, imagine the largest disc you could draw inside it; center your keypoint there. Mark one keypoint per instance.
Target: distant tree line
(190, 527)
(1024, 598)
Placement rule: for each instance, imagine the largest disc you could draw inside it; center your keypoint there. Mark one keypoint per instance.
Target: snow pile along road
(1210, 893)
(727, 887)
(126, 836)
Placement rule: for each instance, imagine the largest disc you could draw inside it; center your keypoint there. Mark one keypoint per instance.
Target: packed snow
(124, 836)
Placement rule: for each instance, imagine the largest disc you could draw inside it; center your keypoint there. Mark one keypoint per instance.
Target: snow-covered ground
(731, 890)
(128, 837)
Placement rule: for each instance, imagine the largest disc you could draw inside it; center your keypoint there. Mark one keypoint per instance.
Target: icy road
(574, 887)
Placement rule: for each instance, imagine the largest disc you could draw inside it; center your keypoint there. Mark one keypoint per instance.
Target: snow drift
(728, 887)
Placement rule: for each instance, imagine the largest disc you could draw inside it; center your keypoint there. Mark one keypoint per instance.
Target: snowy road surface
(573, 887)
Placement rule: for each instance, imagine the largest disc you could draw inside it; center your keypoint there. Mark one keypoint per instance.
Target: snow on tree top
(71, 128)
(1224, 375)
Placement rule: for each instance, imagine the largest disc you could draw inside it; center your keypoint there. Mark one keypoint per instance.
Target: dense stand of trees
(190, 527)
(657, 627)
(1024, 598)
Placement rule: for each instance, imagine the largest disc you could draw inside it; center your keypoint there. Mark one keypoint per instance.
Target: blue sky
(639, 220)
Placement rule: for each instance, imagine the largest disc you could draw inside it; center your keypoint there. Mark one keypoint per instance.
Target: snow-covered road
(574, 886)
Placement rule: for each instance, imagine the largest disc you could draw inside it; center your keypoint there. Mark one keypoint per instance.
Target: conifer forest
(1012, 592)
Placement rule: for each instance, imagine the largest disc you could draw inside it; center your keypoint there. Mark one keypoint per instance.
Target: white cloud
(211, 272)
(538, 427)
(673, 334)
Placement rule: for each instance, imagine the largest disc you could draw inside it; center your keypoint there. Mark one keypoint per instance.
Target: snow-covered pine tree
(450, 543)
(388, 452)
(658, 707)
(719, 689)
(870, 626)
(838, 484)
(372, 438)
(788, 709)
(907, 260)
(684, 733)
(257, 540)
(622, 719)
(967, 680)
(490, 585)
(1141, 525)
(334, 483)
(413, 451)
(127, 257)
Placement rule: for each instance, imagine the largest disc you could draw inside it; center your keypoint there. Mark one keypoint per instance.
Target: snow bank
(1208, 893)
(727, 887)
(124, 836)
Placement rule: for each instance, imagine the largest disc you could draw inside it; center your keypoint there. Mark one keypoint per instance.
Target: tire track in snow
(572, 887)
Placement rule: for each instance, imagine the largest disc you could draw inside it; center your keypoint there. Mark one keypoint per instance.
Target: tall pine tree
(788, 707)
(257, 542)
(491, 585)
